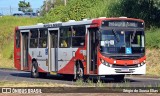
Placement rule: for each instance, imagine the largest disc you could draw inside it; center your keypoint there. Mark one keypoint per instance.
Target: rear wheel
(34, 70)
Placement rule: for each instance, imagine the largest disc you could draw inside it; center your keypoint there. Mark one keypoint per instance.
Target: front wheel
(79, 72)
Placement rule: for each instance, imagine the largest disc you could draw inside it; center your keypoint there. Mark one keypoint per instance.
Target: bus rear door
(53, 49)
(24, 49)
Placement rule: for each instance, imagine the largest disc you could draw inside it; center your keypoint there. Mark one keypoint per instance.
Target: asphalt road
(13, 75)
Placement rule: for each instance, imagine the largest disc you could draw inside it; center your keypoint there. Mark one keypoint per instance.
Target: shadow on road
(62, 78)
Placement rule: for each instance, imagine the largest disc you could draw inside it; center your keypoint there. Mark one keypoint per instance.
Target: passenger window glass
(78, 30)
(17, 39)
(33, 38)
(43, 38)
(78, 36)
(65, 37)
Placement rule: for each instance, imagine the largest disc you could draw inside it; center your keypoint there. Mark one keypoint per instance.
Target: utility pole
(10, 10)
(65, 2)
(46, 7)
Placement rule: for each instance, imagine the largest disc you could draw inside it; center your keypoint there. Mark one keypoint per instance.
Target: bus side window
(33, 38)
(17, 39)
(65, 37)
(78, 35)
(43, 38)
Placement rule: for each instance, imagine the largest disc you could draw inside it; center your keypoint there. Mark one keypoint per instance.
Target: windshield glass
(117, 41)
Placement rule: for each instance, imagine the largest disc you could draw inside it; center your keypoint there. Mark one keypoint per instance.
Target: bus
(110, 47)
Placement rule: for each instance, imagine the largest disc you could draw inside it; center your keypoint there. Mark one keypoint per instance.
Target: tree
(24, 6)
(148, 10)
(50, 4)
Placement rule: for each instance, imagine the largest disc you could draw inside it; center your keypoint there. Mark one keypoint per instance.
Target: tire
(79, 72)
(118, 78)
(34, 70)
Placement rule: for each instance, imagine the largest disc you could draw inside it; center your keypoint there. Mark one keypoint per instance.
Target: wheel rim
(80, 72)
(34, 70)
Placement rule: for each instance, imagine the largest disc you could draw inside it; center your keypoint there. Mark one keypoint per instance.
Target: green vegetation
(152, 38)
(78, 10)
(7, 27)
(148, 10)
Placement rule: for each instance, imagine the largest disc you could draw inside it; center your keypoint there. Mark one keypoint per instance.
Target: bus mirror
(99, 36)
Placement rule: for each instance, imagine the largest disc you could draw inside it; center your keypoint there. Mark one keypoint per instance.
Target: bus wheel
(34, 70)
(79, 72)
(118, 78)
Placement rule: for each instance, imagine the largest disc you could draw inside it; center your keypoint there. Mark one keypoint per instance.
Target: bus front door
(53, 50)
(92, 51)
(24, 50)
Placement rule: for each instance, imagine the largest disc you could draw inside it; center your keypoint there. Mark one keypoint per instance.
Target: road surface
(13, 75)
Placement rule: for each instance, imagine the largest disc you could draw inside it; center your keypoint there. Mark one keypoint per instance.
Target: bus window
(43, 38)
(78, 36)
(65, 37)
(138, 39)
(33, 38)
(17, 39)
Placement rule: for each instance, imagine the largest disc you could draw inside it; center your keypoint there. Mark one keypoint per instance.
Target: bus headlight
(142, 63)
(104, 62)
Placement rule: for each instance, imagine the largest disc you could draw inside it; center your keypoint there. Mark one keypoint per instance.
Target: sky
(8, 7)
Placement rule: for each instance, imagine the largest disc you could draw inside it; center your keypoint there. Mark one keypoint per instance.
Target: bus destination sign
(132, 24)
(52, 25)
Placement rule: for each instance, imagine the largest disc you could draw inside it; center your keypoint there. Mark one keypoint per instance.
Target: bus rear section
(22, 58)
(17, 53)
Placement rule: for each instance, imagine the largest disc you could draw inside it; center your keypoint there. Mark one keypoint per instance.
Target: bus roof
(73, 22)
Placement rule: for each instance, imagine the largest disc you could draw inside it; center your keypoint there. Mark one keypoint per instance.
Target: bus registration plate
(125, 70)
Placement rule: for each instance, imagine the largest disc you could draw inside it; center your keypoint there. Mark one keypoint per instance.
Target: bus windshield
(117, 41)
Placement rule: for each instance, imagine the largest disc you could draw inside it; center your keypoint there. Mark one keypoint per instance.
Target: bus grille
(124, 66)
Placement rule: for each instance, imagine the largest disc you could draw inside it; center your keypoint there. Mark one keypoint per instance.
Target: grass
(153, 62)
(31, 84)
(7, 26)
(6, 63)
(152, 38)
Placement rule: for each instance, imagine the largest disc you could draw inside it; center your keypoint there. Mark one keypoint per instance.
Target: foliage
(25, 6)
(7, 26)
(49, 5)
(77, 10)
(152, 38)
(148, 10)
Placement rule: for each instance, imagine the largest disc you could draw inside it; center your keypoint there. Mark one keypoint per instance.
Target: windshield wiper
(133, 36)
(117, 36)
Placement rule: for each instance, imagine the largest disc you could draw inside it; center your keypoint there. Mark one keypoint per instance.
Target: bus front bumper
(105, 70)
